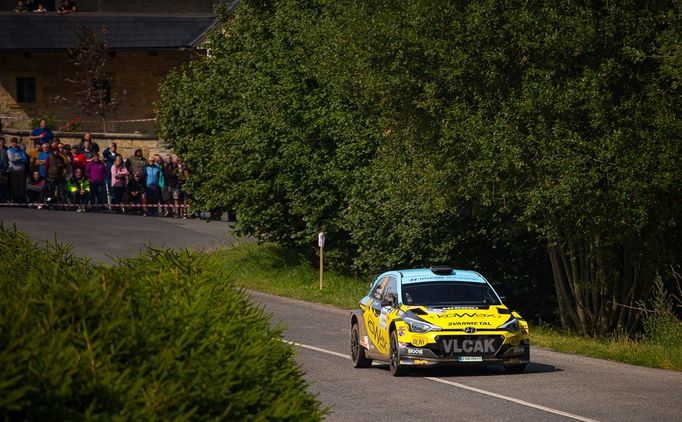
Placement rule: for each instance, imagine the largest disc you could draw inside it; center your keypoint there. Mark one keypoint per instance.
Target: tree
(487, 134)
(93, 93)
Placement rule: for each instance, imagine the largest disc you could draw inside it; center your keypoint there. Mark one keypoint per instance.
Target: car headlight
(512, 326)
(420, 326)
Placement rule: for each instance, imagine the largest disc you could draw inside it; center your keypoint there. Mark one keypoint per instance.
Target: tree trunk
(598, 288)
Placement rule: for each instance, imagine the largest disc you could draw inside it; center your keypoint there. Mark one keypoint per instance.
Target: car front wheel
(394, 362)
(357, 352)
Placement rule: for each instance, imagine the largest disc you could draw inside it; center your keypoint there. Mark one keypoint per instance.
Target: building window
(26, 90)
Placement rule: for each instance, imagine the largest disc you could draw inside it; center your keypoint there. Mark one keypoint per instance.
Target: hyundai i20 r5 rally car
(426, 317)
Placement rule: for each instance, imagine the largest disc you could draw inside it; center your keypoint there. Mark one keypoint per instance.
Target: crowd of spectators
(25, 6)
(55, 175)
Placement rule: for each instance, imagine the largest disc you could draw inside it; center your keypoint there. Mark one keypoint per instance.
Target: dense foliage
(159, 337)
(537, 142)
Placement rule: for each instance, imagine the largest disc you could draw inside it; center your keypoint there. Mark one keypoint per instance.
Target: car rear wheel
(357, 352)
(394, 359)
(514, 369)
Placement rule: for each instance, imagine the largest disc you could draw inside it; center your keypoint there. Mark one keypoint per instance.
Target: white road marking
(462, 386)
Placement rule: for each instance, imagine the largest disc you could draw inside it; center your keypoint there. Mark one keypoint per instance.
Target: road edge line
(458, 385)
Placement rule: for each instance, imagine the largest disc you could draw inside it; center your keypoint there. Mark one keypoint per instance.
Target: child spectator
(119, 175)
(136, 190)
(95, 172)
(78, 189)
(36, 188)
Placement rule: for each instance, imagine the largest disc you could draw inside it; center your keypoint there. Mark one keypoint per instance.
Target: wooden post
(320, 243)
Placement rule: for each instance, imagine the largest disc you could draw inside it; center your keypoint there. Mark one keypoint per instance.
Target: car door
(377, 315)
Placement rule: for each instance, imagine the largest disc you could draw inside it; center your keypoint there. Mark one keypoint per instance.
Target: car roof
(423, 275)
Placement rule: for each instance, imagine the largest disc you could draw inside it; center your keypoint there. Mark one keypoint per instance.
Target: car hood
(460, 318)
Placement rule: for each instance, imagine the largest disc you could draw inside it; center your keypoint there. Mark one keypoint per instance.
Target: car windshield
(453, 293)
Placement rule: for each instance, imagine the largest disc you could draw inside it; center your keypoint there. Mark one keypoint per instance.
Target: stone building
(145, 40)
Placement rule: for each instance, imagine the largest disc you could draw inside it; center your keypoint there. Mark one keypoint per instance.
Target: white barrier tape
(36, 204)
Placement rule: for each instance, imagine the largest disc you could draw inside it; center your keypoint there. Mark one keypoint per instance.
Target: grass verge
(272, 269)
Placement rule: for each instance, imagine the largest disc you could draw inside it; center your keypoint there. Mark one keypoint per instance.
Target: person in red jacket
(78, 160)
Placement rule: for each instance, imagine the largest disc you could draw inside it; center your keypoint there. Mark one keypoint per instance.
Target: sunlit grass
(617, 348)
(272, 269)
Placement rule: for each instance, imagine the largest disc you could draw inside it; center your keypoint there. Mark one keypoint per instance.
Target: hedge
(164, 335)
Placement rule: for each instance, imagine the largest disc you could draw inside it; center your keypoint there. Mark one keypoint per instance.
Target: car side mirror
(503, 299)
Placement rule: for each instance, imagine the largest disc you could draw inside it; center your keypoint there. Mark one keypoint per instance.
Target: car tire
(357, 352)
(514, 369)
(394, 357)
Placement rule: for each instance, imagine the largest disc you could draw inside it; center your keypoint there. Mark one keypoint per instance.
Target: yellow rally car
(434, 316)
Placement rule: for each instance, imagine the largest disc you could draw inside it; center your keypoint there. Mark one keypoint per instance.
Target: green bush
(160, 336)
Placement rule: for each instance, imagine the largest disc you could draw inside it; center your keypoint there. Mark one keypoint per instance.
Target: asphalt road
(102, 236)
(555, 387)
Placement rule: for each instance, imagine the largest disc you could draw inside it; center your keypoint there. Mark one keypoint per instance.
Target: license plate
(470, 358)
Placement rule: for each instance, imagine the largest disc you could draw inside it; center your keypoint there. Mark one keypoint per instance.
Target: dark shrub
(161, 336)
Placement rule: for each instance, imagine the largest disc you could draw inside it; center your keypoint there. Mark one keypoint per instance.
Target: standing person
(17, 161)
(87, 149)
(87, 137)
(79, 189)
(119, 175)
(4, 166)
(109, 156)
(33, 156)
(136, 162)
(153, 186)
(96, 172)
(57, 169)
(171, 192)
(77, 159)
(42, 133)
(41, 159)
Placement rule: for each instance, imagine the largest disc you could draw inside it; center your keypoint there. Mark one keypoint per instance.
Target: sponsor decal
(401, 331)
(419, 340)
(470, 330)
(461, 323)
(415, 351)
(469, 346)
(376, 334)
(421, 362)
(465, 315)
